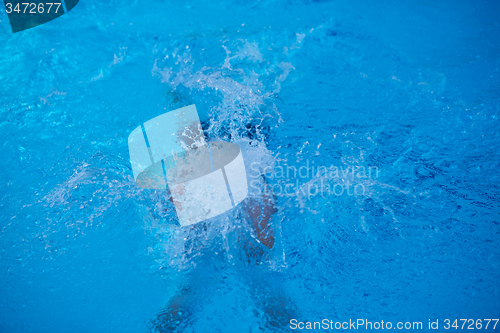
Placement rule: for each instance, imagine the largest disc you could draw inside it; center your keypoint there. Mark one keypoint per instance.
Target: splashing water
(313, 92)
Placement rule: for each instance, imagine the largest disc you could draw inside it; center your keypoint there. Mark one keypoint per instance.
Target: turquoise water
(410, 90)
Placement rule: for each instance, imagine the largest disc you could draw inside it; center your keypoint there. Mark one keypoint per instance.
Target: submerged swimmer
(257, 212)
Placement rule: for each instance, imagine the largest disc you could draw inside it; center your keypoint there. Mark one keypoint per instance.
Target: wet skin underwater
(340, 169)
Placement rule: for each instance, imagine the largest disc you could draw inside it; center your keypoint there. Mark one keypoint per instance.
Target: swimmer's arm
(260, 211)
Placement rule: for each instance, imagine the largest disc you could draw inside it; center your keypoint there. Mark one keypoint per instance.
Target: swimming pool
(321, 91)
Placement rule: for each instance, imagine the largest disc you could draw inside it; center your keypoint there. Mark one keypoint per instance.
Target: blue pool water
(409, 89)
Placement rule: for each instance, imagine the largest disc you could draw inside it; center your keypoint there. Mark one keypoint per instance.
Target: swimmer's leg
(278, 311)
(277, 307)
(177, 314)
(259, 210)
(273, 306)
